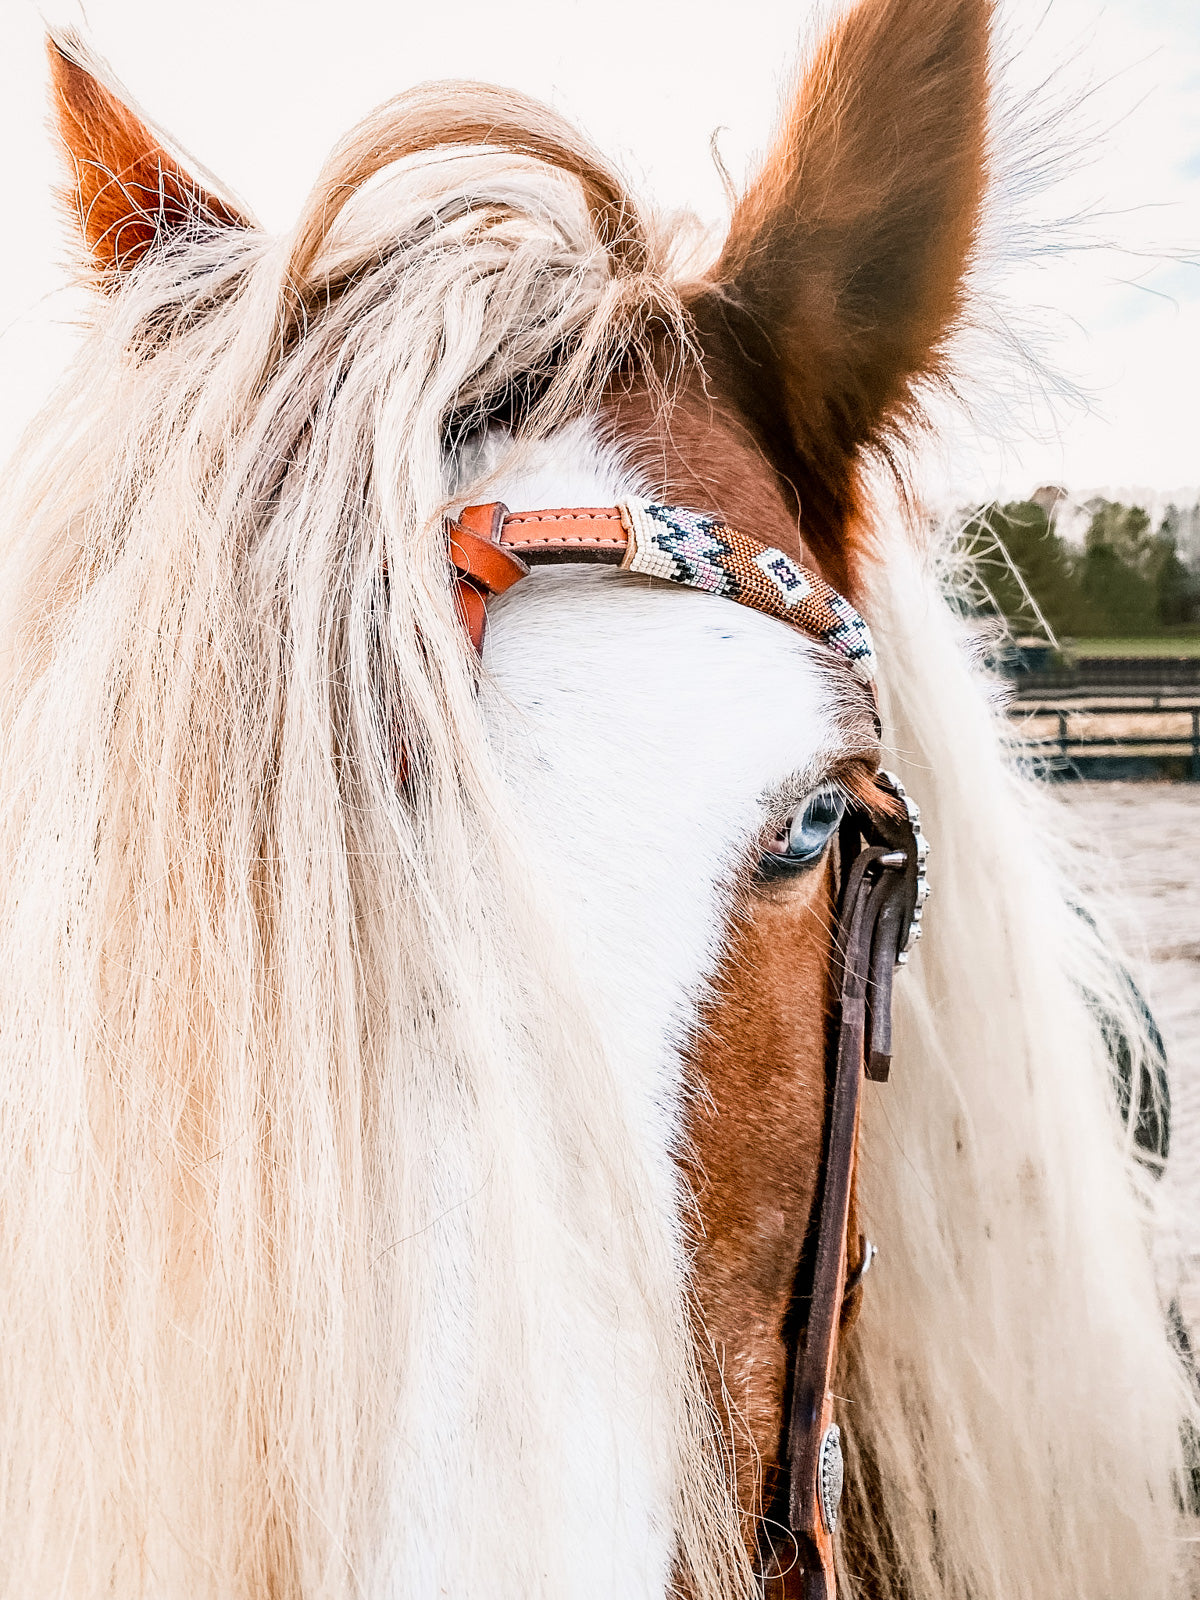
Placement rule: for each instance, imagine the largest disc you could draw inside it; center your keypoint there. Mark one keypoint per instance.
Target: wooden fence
(1107, 736)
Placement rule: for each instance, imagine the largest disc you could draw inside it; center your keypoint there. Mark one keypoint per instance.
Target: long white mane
(272, 1017)
(1025, 1398)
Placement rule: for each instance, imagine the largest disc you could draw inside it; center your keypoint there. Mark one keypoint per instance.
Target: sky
(1087, 373)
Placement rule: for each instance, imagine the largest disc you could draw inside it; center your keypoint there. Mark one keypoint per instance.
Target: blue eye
(802, 840)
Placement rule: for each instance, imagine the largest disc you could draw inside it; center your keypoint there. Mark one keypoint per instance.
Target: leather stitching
(592, 542)
(514, 517)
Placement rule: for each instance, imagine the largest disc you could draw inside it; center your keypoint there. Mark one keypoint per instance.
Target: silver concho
(831, 1474)
(913, 813)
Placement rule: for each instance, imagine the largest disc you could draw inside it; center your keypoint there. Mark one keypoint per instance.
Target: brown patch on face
(757, 1125)
(860, 780)
(698, 449)
(127, 193)
(757, 1129)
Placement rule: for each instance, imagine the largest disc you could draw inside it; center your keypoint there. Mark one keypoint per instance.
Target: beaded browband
(492, 548)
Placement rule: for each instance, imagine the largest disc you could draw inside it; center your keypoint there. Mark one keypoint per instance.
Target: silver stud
(831, 1475)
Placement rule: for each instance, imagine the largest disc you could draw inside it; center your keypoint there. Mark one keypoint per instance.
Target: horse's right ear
(130, 196)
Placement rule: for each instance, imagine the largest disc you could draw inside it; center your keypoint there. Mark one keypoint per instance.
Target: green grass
(1185, 644)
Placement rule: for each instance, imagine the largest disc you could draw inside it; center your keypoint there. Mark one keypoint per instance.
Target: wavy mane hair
(218, 1144)
(266, 1011)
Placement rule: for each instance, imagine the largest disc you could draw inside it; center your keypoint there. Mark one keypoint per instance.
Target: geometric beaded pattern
(702, 552)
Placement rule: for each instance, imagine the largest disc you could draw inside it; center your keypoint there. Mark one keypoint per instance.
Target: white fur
(642, 729)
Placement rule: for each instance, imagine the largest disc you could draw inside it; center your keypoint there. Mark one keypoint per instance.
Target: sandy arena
(1147, 835)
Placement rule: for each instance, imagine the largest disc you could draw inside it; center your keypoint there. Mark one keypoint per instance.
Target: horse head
(422, 1063)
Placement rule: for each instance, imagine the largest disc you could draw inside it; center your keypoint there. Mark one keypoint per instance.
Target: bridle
(882, 856)
(881, 894)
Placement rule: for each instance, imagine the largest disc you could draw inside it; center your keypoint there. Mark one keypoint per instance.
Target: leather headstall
(880, 903)
(880, 899)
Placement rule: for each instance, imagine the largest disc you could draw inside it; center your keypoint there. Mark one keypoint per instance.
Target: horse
(416, 1067)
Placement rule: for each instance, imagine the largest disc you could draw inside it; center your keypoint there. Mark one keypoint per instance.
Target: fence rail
(1117, 751)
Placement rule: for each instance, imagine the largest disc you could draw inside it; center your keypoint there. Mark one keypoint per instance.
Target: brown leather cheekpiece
(881, 891)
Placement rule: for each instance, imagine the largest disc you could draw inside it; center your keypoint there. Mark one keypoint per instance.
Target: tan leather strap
(483, 564)
(587, 533)
(491, 548)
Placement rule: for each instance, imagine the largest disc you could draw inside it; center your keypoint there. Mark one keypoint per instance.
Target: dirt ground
(1148, 835)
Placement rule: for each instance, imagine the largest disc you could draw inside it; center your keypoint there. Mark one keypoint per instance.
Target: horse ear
(843, 270)
(131, 197)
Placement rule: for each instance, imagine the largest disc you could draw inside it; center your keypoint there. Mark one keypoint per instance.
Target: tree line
(1127, 579)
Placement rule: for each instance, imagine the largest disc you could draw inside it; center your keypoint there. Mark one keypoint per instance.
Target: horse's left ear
(130, 195)
(843, 271)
